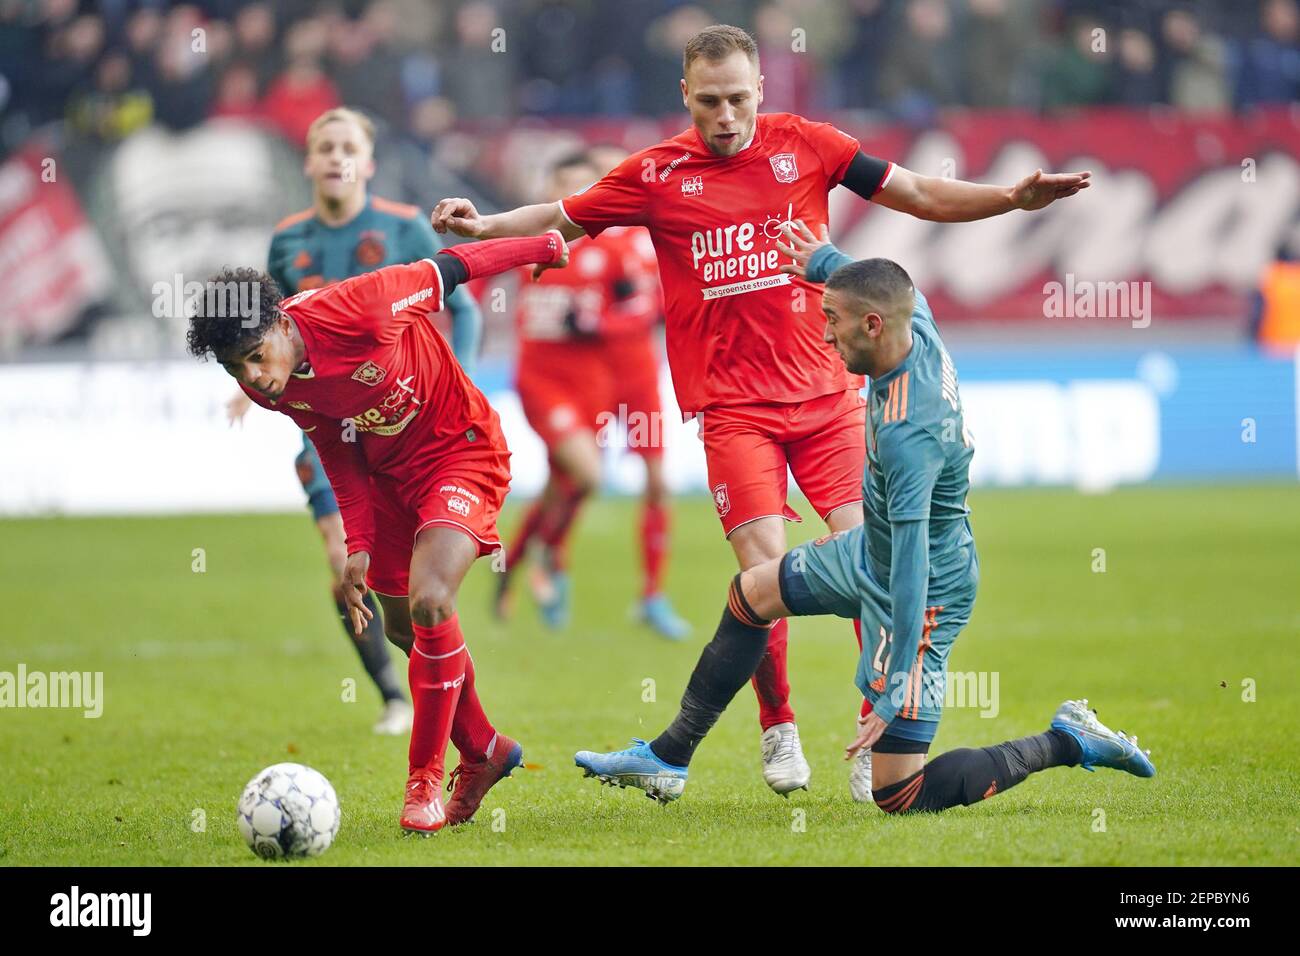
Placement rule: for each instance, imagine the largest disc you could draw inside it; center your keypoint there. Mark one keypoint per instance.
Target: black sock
(966, 776)
(725, 665)
(372, 647)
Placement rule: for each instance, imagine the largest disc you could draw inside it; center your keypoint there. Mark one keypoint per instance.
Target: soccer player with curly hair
(417, 460)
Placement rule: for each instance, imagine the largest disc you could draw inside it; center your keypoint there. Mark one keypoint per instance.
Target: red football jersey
(381, 391)
(610, 287)
(738, 330)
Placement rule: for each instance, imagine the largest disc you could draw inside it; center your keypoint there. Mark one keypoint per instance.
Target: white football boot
(860, 774)
(784, 767)
(396, 719)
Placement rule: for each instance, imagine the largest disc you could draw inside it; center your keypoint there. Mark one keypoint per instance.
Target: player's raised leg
(827, 457)
(842, 519)
(659, 767)
(784, 766)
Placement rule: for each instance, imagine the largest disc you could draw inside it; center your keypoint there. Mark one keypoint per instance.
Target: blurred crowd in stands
(104, 69)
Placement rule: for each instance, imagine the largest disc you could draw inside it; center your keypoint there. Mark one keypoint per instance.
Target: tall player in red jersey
(417, 461)
(744, 338)
(588, 368)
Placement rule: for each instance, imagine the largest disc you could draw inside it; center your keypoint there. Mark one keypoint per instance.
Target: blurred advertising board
(121, 438)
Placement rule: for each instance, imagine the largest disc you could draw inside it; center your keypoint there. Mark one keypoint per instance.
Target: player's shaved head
(879, 285)
(868, 306)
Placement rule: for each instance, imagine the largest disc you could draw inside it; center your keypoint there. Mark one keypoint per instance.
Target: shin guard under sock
(725, 664)
(437, 671)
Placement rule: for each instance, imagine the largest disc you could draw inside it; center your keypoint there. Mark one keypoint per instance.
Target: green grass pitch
(210, 676)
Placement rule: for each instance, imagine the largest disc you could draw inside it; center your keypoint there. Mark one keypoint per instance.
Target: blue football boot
(1101, 746)
(551, 592)
(657, 613)
(635, 767)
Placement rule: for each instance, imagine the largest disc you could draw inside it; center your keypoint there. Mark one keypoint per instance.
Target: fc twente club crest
(369, 374)
(784, 168)
(721, 500)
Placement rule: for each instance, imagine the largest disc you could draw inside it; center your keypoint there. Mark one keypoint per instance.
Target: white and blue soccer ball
(288, 810)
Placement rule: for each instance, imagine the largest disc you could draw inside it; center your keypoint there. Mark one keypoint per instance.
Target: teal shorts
(833, 575)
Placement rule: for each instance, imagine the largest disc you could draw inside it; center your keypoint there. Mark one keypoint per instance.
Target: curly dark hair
(233, 314)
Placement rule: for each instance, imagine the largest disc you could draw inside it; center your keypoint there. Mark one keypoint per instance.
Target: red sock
(559, 521)
(771, 682)
(654, 546)
(524, 536)
(471, 731)
(437, 672)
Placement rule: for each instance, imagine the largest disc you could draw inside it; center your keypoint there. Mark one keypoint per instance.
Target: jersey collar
(901, 367)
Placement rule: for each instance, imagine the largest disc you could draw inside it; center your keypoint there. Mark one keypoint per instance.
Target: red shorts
(748, 449)
(464, 493)
(592, 384)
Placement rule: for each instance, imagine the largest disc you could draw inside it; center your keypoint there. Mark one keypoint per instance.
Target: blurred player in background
(588, 367)
(909, 574)
(744, 338)
(348, 232)
(417, 461)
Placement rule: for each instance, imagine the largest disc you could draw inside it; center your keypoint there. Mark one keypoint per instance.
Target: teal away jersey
(918, 464)
(306, 253)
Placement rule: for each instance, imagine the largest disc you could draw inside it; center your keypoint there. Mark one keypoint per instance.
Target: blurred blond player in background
(348, 232)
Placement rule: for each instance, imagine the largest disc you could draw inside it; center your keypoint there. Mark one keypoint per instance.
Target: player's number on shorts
(880, 649)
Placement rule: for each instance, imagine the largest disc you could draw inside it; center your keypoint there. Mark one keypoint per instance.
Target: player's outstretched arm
(954, 200)
(459, 216)
(472, 260)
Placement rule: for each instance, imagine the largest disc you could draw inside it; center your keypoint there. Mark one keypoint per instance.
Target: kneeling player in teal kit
(909, 573)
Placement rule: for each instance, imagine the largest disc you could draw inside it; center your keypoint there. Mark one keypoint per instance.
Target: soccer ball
(288, 810)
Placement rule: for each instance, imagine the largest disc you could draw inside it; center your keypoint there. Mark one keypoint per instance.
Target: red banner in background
(1194, 207)
(52, 265)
